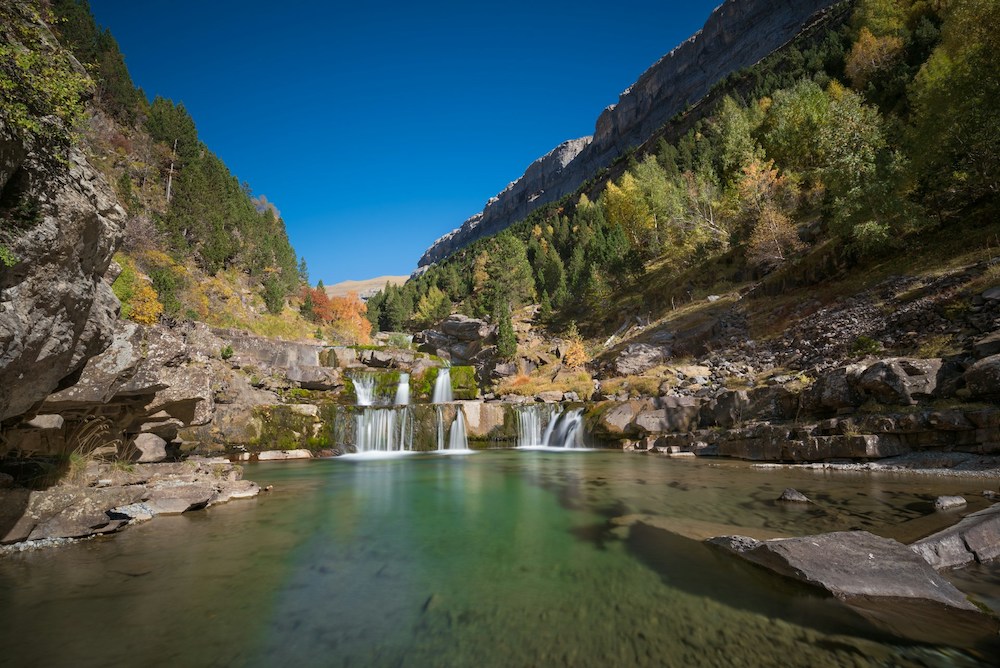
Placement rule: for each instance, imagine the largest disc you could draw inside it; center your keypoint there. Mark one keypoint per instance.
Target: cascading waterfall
(382, 429)
(564, 429)
(440, 428)
(364, 389)
(531, 420)
(403, 390)
(458, 440)
(442, 387)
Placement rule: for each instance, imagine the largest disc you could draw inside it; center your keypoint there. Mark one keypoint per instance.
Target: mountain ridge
(738, 34)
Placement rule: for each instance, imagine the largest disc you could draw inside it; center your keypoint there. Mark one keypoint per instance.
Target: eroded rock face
(56, 307)
(738, 34)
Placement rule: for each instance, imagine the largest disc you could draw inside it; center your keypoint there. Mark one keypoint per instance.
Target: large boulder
(673, 414)
(975, 539)
(58, 308)
(900, 381)
(835, 389)
(983, 378)
(881, 579)
(465, 328)
(637, 358)
(619, 419)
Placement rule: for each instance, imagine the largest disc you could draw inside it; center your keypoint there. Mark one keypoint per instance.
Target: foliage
(226, 352)
(432, 307)
(41, 92)
(506, 338)
(138, 298)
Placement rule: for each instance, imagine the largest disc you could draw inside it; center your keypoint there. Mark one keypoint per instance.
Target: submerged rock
(949, 502)
(879, 578)
(794, 496)
(975, 538)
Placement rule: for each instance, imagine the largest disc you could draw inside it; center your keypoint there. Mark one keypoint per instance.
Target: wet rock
(974, 539)
(150, 448)
(949, 502)
(793, 496)
(235, 489)
(63, 512)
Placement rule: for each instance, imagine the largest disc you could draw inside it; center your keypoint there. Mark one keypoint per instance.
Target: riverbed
(496, 558)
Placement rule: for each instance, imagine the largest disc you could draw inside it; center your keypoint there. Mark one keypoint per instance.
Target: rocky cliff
(738, 34)
(61, 225)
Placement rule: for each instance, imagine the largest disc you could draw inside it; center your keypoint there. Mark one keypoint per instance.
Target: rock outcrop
(738, 34)
(62, 225)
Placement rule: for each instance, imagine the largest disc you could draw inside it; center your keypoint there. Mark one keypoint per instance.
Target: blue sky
(377, 127)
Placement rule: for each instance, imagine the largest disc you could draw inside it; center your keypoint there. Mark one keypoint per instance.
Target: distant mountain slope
(738, 34)
(365, 287)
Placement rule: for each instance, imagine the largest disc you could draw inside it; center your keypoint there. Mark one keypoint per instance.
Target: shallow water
(503, 558)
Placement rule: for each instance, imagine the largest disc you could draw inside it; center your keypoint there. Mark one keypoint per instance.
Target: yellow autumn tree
(870, 55)
(765, 196)
(625, 205)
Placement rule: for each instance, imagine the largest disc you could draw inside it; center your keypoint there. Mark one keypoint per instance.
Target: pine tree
(506, 339)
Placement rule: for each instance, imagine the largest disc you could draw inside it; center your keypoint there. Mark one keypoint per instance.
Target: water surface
(503, 558)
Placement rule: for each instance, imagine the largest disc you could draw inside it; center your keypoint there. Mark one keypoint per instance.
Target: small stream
(499, 558)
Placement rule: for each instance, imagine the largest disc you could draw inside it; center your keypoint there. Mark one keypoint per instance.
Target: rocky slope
(62, 224)
(738, 34)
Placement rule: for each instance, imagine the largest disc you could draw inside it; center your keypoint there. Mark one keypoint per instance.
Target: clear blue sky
(377, 127)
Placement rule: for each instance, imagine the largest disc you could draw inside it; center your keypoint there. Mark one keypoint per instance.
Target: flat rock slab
(279, 455)
(180, 498)
(879, 578)
(975, 538)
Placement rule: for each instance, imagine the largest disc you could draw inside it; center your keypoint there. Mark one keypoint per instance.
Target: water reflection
(503, 558)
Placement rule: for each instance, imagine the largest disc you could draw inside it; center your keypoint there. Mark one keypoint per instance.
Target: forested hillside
(859, 139)
(198, 244)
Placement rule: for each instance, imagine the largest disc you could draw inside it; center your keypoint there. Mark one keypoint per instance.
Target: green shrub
(226, 352)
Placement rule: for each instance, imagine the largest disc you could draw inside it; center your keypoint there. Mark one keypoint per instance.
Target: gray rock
(58, 309)
(987, 346)
(975, 538)
(835, 389)
(983, 378)
(793, 496)
(281, 455)
(900, 381)
(465, 328)
(637, 358)
(677, 414)
(177, 498)
(949, 502)
(620, 418)
(46, 422)
(150, 448)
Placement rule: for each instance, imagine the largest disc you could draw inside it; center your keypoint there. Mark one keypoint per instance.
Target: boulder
(45, 422)
(619, 420)
(550, 396)
(675, 414)
(150, 448)
(726, 410)
(949, 502)
(900, 381)
(637, 358)
(465, 328)
(983, 378)
(63, 512)
(987, 346)
(835, 389)
(314, 377)
(881, 579)
(974, 539)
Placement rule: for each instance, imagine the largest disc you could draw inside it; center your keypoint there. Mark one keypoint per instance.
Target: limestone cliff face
(62, 224)
(738, 34)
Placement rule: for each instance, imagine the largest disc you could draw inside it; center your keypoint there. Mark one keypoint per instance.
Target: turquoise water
(501, 558)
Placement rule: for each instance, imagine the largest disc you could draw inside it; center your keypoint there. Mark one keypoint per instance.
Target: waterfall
(458, 439)
(563, 430)
(442, 387)
(383, 430)
(440, 428)
(530, 421)
(403, 390)
(364, 388)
